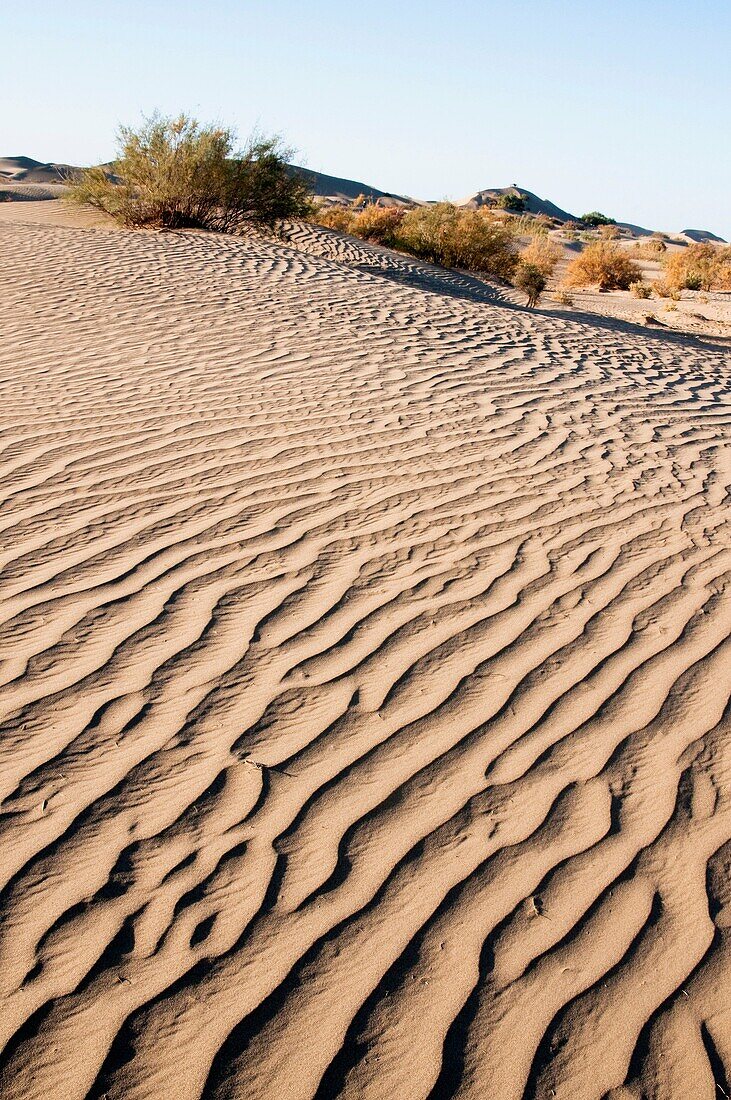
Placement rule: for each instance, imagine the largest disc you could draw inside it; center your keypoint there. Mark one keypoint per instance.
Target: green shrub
(176, 173)
(595, 218)
(531, 280)
(515, 202)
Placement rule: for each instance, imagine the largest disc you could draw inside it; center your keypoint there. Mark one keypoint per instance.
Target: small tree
(531, 280)
(176, 173)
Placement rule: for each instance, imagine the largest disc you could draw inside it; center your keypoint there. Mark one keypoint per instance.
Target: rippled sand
(365, 673)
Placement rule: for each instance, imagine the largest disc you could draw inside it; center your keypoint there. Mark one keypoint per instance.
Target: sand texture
(364, 682)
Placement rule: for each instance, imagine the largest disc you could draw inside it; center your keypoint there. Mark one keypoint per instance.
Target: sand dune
(364, 660)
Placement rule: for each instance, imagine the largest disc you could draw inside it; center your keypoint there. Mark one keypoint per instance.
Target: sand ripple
(364, 683)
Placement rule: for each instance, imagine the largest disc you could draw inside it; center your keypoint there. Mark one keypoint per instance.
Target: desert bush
(609, 232)
(512, 201)
(650, 249)
(443, 234)
(176, 173)
(378, 223)
(531, 225)
(702, 266)
(605, 265)
(341, 218)
(531, 280)
(641, 290)
(596, 218)
(564, 298)
(542, 254)
(663, 290)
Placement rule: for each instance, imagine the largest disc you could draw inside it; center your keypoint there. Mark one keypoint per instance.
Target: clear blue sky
(623, 106)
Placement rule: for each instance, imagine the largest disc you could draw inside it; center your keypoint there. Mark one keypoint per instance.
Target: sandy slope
(365, 672)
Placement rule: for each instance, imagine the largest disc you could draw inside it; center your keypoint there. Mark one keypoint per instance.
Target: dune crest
(364, 681)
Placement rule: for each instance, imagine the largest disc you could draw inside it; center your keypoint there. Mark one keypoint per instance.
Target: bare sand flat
(365, 674)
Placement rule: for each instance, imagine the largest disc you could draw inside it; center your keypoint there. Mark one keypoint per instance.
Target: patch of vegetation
(605, 265)
(176, 173)
(650, 249)
(469, 239)
(702, 266)
(512, 201)
(531, 280)
(531, 225)
(541, 254)
(596, 218)
(439, 233)
(661, 288)
(641, 290)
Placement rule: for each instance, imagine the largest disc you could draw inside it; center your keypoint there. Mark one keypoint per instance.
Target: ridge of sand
(364, 679)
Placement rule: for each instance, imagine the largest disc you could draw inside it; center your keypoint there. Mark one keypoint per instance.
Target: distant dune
(336, 188)
(365, 659)
(26, 171)
(701, 235)
(533, 204)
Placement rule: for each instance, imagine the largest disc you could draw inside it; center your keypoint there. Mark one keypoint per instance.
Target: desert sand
(365, 679)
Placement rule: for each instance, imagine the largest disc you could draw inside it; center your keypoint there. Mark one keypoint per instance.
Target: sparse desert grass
(563, 298)
(531, 225)
(176, 173)
(605, 265)
(641, 290)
